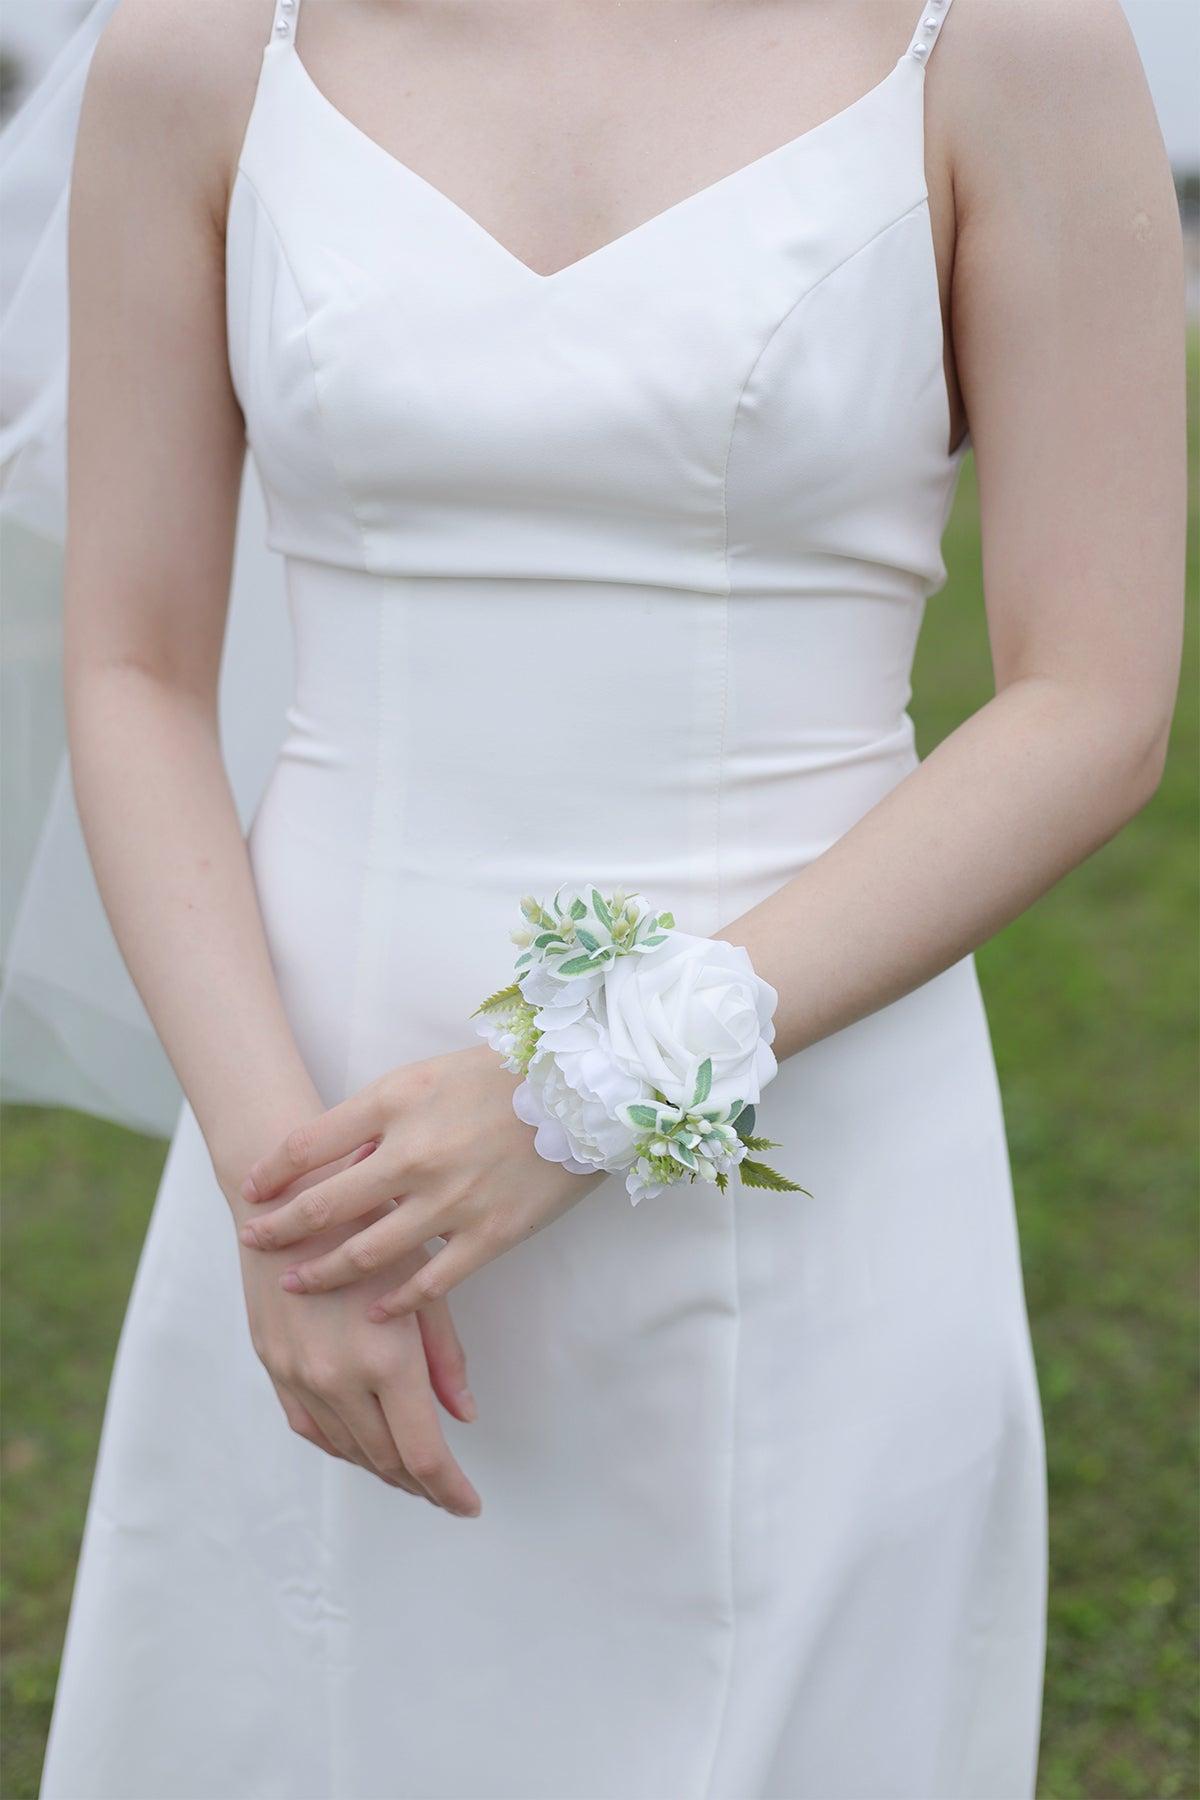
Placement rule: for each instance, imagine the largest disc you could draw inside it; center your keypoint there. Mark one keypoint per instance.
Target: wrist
(237, 1142)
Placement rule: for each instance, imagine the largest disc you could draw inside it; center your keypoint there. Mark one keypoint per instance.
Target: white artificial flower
(500, 1035)
(642, 1184)
(690, 1000)
(616, 1012)
(574, 939)
(541, 986)
(571, 1094)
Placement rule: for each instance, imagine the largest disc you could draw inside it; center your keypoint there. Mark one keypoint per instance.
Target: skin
(1061, 268)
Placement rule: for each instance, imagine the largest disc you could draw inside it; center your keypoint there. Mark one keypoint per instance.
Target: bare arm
(1068, 332)
(155, 456)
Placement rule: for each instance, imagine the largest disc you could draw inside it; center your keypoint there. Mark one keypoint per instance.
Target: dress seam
(323, 1470)
(322, 415)
(336, 1790)
(782, 320)
(734, 1244)
(731, 1507)
(722, 1710)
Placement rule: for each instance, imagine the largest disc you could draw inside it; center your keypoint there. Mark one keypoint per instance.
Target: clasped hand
(447, 1146)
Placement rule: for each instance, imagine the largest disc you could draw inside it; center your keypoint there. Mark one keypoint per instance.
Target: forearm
(1020, 793)
(171, 863)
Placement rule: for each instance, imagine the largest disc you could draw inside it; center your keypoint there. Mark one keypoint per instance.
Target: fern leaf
(760, 1175)
(499, 1000)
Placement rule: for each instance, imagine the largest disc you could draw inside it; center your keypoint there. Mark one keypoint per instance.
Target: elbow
(1145, 764)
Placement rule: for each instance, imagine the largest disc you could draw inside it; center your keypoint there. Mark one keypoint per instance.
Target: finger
(446, 1360)
(397, 1235)
(366, 1419)
(413, 1421)
(341, 1441)
(347, 1195)
(465, 1252)
(313, 1143)
(302, 1421)
(346, 1443)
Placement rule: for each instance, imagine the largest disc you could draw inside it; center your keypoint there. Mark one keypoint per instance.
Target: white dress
(612, 573)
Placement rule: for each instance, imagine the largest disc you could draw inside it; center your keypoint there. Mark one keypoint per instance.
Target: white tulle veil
(73, 1030)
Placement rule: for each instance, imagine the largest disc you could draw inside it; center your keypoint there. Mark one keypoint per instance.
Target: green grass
(1092, 996)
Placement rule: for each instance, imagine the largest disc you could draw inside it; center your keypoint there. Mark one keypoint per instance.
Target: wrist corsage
(643, 1048)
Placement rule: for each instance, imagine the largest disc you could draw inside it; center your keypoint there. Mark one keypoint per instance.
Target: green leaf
(578, 965)
(682, 1154)
(761, 1143)
(521, 960)
(578, 908)
(503, 997)
(642, 1115)
(659, 938)
(667, 920)
(722, 1182)
(600, 908)
(703, 1082)
(547, 937)
(759, 1175)
(745, 1121)
(586, 938)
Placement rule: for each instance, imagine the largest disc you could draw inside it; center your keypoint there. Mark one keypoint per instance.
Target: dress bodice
(747, 390)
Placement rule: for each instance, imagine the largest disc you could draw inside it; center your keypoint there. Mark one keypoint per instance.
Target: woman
(608, 372)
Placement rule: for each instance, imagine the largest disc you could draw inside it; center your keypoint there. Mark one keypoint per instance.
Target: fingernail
(249, 1191)
(249, 1236)
(377, 1315)
(466, 1400)
(292, 1282)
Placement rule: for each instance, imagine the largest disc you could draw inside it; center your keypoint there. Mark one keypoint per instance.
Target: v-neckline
(744, 172)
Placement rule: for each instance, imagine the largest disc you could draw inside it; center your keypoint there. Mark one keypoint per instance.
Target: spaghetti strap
(283, 27)
(928, 25)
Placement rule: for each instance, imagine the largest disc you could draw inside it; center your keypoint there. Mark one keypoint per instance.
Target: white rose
(692, 998)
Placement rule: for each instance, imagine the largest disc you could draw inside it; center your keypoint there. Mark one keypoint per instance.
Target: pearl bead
(920, 49)
(929, 25)
(282, 28)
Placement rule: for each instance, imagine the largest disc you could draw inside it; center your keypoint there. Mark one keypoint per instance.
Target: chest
(761, 363)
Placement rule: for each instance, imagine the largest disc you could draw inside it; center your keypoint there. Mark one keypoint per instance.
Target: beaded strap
(286, 14)
(928, 26)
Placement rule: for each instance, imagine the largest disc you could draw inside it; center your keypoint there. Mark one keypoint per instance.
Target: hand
(360, 1394)
(441, 1137)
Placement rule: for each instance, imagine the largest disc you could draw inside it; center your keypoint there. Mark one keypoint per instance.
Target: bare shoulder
(171, 84)
(1044, 97)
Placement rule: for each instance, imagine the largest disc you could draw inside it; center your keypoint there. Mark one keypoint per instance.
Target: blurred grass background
(1092, 997)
